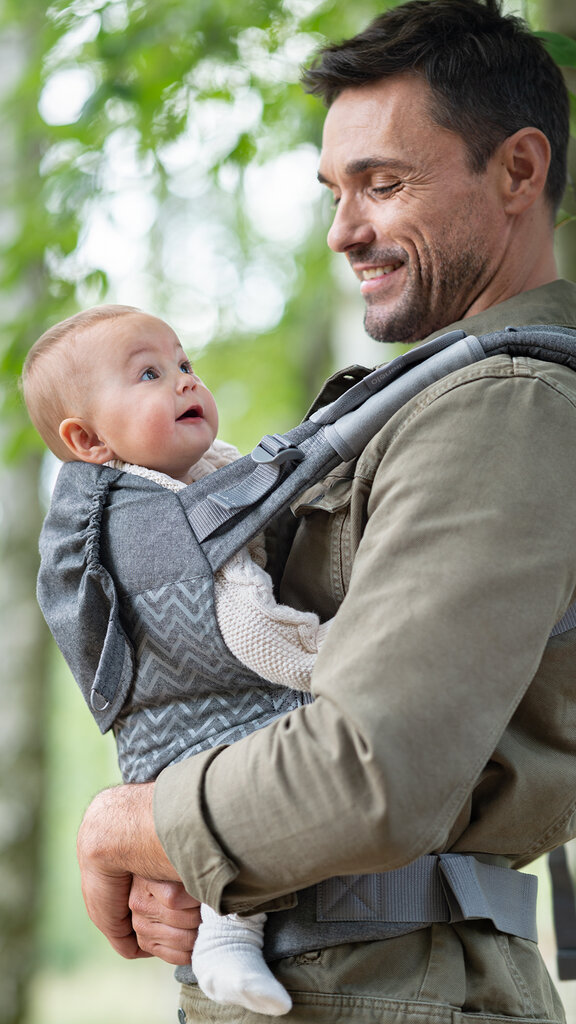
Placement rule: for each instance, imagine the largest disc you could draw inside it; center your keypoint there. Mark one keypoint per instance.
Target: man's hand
(117, 840)
(106, 896)
(165, 919)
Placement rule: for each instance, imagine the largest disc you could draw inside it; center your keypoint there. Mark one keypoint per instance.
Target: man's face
(425, 235)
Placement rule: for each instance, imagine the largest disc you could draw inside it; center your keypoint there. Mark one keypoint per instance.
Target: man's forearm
(117, 834)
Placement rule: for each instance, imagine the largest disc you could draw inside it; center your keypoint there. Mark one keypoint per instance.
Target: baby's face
(147, 403)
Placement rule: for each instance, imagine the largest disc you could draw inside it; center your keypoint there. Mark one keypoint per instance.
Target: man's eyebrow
(368, 163)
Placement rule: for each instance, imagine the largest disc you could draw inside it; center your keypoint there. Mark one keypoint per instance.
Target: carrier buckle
(275, 450)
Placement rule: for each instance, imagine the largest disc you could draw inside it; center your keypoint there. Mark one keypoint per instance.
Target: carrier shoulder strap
(242, 498)
(283, 465)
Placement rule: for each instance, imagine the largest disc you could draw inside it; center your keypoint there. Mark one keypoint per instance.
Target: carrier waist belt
(438, 888)
(447, 888)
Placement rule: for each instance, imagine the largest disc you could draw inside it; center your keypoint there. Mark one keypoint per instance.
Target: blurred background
(159, 154)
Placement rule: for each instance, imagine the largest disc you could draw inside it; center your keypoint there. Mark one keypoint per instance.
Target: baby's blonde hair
(55, 373)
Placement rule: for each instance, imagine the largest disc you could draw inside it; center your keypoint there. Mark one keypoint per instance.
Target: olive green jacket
(444, 718)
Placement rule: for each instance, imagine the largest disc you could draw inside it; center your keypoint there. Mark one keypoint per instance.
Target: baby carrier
(126, 586)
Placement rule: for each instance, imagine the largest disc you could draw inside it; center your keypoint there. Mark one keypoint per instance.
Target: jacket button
(181, 1016)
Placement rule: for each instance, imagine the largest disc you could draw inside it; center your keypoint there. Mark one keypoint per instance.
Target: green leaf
(561, 48)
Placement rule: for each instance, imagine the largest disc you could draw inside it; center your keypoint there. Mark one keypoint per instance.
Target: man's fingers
(147, 911)
(130, 949)
(106, 899)
(176, 957)
(165, 900)
(172, 895)
(172, 945)
(165, 919)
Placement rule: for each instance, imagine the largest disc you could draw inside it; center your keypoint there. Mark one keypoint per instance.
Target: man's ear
(83, 441)
(525, 159)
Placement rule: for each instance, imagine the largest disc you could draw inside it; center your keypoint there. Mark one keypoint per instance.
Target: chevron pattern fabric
(189, 692)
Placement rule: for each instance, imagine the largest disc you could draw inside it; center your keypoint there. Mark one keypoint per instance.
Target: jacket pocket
(320, 562)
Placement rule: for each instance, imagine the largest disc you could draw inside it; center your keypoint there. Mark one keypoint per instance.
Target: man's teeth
(368, 275)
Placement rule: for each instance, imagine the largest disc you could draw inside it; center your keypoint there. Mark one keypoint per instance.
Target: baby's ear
(83, 442)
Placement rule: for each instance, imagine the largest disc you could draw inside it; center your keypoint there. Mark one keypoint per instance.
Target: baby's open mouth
(190, 414)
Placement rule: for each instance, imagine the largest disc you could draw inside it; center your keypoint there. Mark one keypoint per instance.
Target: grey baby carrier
(126, 586)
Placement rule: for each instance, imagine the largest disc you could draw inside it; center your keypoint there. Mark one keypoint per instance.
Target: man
(444, 715)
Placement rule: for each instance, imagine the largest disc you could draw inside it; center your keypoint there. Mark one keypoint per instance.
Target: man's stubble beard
(433, 298)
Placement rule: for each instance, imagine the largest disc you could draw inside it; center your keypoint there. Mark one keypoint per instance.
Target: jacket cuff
(180, 823)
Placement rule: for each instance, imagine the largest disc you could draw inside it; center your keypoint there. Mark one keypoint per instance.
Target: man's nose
(350, 228)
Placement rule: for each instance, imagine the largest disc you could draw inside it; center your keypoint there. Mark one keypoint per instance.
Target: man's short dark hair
(489, 75)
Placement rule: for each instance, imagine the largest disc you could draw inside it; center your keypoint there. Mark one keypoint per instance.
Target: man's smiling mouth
(372, 272)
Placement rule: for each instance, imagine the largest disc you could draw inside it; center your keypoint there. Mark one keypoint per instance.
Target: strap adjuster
(275, 450)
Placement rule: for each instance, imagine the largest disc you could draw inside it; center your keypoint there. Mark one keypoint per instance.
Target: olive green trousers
(446, 974)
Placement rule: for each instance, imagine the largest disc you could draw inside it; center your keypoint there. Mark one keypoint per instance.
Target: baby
(112, 386)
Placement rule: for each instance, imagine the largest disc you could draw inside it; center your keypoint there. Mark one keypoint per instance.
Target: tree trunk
(560, 16)
(23, 673)
(23, 637)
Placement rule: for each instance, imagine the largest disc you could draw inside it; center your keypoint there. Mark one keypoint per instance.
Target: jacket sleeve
(466, 563)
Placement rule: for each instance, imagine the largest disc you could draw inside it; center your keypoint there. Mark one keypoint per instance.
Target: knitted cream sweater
(277, 642)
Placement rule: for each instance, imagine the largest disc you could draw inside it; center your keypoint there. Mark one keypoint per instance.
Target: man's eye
(385, 190)
(149, 374)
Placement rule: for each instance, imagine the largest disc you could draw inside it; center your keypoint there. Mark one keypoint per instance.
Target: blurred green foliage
(152, 68)
(154, 73)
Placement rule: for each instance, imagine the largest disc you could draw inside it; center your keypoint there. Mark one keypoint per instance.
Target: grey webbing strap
(219, 507)
(436, 888)
(564, 912)
(486, 891)
(276, 456)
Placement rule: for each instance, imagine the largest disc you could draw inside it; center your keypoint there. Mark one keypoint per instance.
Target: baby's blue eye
(149, 374)
(186, 368)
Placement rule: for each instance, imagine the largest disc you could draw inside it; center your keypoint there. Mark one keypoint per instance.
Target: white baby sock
(228, 963)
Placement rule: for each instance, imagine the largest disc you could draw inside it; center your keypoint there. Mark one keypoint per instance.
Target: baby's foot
(228, 963)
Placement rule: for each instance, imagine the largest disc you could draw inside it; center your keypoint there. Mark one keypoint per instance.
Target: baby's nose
(185, 381)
